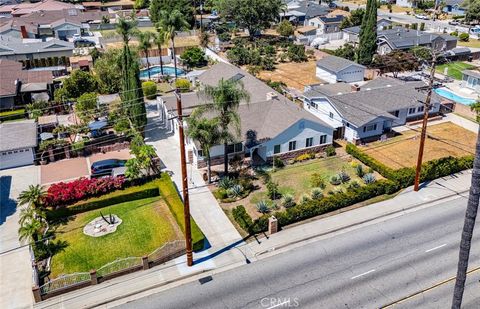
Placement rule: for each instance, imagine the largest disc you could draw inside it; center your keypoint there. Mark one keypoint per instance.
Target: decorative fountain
(102, 225)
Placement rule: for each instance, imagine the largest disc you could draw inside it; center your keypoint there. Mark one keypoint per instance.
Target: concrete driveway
(15, 265)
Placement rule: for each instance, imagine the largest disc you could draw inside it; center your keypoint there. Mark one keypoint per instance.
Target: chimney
(355, 88)
(271, 96)
(23, 30)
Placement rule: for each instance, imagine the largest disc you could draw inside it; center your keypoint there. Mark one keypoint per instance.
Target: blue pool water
(156, 70)
(454, 97)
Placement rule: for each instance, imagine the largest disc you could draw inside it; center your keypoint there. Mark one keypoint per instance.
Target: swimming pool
(156, 70)
(454, 97)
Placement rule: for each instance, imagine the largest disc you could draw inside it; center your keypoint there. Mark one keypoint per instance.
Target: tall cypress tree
(368, 34)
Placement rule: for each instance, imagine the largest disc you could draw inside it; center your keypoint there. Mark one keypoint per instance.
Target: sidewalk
(217, 259)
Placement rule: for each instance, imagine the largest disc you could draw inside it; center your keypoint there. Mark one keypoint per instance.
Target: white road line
(438, 247)
(278, 305)
(365, 273)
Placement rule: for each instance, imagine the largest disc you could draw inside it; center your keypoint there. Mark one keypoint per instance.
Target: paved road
(366, 268)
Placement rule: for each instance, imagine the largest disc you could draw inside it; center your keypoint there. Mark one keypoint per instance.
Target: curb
(358, 223)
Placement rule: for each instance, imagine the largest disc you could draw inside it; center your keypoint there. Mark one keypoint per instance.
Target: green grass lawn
(454, 69)
(295, 179)
(147, 224)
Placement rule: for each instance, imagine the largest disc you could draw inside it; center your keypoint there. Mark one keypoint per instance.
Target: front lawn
(454, 69)
(471, 43)
(147, 224)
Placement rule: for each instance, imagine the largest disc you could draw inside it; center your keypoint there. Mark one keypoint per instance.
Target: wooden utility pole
(426, 110)
(186, 201)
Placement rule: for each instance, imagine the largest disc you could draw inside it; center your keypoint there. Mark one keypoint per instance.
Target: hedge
(12, 115)
(314, 208)
(169, 192)
(406, 176)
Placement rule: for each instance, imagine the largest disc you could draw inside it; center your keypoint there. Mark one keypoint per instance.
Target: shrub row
(406, 176)
(96, 203)
(12, 115)
(314, 207)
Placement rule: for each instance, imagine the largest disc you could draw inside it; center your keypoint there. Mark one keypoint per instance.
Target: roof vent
(271, 96)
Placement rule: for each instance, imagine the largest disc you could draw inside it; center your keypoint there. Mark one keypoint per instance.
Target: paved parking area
(70, 169)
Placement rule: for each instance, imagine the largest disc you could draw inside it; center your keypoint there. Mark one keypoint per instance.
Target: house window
(323, 139)
(369, 128)
(200, 153)
(420, 109)
(238, 147)
(309, 142)
(331, 115)
(276, 149)
(292, 145)
(411, 110)
(232, 148)
(395, 113)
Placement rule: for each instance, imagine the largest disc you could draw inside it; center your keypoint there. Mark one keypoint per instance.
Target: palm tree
(225, 99)
(28, 214)
(467, 233)
(32, 196)
(172, 21)
(126, 28)
(30, 230)
(144, 44)
(161, 38)
(205, 132)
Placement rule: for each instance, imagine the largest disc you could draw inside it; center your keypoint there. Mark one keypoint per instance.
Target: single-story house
(471, 80)
(271, 125)
(22, 50)
(18, 142)
(84, 63)
(406, 3)
(326, 24)
(334, 69)
(24, 8)
(454, 7)
(300, 11)
(362, 114)
(17, 85)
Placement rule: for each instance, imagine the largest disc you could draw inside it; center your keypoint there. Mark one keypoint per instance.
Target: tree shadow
(7, 205)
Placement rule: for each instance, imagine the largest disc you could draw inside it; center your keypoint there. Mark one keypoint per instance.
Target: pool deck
(460, 90)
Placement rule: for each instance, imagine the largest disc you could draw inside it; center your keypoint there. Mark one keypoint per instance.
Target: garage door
(15, 158)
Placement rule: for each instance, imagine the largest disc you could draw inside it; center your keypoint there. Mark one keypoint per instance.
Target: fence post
(37, 296)
(272, 225)
(93, 277)
(145, 262)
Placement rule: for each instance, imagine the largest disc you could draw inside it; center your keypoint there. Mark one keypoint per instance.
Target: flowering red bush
(62, 194)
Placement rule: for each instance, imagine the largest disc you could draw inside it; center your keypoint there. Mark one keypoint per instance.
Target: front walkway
(203, 206)
(15, 265)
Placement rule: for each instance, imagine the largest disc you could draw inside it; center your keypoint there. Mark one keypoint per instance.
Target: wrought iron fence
(119, 265)
(64, 282)
(168, 249)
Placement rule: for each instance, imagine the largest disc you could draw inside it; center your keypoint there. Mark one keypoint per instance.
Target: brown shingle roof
(10, 71)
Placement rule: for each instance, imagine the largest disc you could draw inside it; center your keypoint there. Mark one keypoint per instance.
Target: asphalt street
(369, 267)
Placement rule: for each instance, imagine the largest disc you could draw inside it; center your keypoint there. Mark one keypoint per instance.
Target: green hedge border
(12, 115)
(396, 180)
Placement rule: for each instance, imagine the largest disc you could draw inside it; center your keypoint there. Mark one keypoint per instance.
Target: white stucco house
(17, 143)
(362, 114)
(271, 125)
(332, 69)
(471, 80)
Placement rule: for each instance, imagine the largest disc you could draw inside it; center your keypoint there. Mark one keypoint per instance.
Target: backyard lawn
(454, 69)
(445, 139)
(471, 43)
(146, 225)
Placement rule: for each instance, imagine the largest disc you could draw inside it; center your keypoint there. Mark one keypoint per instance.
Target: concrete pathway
(205, 210)
(15, 264)
(463, 122)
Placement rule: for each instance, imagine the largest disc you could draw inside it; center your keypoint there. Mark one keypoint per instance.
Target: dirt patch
(294, 75)
(162, 208)
(444, 139)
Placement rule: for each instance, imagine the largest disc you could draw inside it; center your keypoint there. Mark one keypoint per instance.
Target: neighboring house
(17, 85)
(471, 80)
(351, 34)
(31, 49)
(326, 24)
(454, 7)
(362, 114)
(16, 10)
(400, 38)
(334, 69)
(270, 124)
(60, 24)
(406, 3)
(300, 12)
(84, 63)
(17, 143)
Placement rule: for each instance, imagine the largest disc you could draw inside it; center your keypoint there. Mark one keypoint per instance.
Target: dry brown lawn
(445, 139)
(295, 75)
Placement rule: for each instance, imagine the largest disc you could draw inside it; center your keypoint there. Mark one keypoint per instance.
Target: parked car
(421, 16)
(453, 23)
(83, 43)
(105, 167)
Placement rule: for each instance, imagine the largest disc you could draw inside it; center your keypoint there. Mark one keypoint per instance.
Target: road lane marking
(365, 273)
(437, 247)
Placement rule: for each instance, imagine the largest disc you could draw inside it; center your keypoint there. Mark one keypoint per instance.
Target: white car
(421, 16)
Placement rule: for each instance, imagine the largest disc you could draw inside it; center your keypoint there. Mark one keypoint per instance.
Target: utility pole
(426, 110)
(186, 201)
